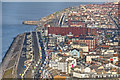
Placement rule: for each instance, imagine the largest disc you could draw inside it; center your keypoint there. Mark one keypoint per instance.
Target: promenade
(10, 61)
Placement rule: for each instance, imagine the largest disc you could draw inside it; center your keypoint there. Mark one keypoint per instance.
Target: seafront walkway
(11, 58)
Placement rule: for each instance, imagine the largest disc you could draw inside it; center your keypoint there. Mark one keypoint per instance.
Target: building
(53, 64)
(58, 77)
(89, 57)
(65, 30)
(62, 65)
(71, 63)
(73, 30)
(90, 42)
(87, 43)
(80, 75)
(80, 46)
(75, 53)
(75, 23)
(60, 39)
(52, 41)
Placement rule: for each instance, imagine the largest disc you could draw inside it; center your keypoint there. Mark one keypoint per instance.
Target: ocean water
(14, 13)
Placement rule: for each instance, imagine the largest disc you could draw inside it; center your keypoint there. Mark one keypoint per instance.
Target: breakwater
(31, 22)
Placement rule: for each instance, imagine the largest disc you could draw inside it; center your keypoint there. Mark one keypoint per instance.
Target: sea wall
(31, 22)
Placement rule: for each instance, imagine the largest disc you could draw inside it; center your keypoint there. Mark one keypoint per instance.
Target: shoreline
(35, 23)
(11, 45)
(10, 53)
(8, 49)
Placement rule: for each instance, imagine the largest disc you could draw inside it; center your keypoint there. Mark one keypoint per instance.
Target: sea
(14, 13)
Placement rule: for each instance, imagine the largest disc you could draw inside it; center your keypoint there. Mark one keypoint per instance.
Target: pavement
(14, 49)
(22, 59)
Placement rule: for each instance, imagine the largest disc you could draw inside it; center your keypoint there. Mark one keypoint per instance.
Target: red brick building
(89, 41)
(65, 30)
(74, 30)
(91, 31)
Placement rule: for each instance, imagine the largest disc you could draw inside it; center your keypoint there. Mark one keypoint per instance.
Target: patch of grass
(107, 36)
(29, 74)
(8, 73)
(11, 63)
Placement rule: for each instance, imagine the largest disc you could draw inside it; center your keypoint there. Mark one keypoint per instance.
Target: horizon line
(57, 1)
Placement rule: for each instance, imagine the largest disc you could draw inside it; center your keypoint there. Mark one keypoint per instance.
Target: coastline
(5, 57)
(35, 23)
(7, 52)
(80, 3)
(11, 52)
(8, 49)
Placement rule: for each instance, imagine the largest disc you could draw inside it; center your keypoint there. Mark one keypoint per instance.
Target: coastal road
(35, 47)
(22, 57)
(36, 54)
(37, 75)
(38, 49)
(61, 20)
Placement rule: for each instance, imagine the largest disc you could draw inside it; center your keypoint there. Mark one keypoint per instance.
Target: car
(39, 71)
(36, 64)
(41, 67)
(44, 62)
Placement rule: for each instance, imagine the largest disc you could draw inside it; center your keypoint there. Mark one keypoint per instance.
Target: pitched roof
(63, 60)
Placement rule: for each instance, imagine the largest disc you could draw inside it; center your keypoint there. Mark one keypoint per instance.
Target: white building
(71, 63)
(90, 57)
(60, 39)
(53, 64)
(80, 75)
(62, 65)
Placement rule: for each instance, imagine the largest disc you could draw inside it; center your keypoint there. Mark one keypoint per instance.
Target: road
(113, 19)
(35, 47)
(34, 61)
(21, 61)
(37, 75)
(36, 53)
(61, 22)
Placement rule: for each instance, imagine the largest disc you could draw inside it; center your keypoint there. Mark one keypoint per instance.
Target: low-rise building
(62, 65)
(80, 75)
(71, 63)
(89, 57)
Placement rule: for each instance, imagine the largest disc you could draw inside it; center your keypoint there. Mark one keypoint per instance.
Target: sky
(58, 0)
